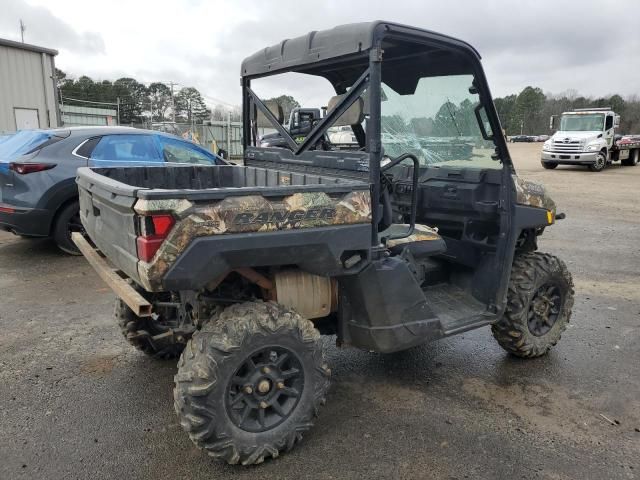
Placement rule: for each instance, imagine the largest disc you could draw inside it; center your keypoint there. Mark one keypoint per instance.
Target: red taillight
(7, 209)
(24, 168)
(162, 224)
(153, 231)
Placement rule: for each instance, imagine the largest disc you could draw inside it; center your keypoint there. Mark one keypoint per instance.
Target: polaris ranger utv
(422, 232)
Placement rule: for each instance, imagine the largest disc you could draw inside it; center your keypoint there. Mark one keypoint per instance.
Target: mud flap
(383, 309)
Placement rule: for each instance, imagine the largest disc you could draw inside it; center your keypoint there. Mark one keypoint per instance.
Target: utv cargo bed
(164, 226)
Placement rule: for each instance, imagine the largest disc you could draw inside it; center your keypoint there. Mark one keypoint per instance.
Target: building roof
(26, 46)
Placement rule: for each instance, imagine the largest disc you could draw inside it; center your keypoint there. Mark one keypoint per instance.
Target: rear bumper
(574, 158)
(25, 221)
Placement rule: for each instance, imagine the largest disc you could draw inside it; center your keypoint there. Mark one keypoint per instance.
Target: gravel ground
(77, 402)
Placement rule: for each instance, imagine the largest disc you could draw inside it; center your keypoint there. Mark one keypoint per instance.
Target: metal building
(28, 96)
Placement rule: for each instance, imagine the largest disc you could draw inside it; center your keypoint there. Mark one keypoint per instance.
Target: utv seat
(423, 242)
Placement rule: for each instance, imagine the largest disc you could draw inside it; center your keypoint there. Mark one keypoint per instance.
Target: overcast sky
(590, 46)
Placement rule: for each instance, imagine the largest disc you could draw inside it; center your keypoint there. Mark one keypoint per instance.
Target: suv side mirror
(616, 121)
(552, 122)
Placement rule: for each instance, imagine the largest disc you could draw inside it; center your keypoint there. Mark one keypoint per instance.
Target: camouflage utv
(418, 231)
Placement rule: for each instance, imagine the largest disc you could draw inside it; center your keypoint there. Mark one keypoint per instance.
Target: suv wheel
(600, 164)
(251, 382)
(67, 221)
(539, 303)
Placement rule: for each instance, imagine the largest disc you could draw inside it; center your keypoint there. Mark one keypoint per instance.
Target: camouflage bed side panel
(247, 214)
(421, 233)
(532, 194)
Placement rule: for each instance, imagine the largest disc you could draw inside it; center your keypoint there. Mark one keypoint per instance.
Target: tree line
(528, 112)
(156, 101)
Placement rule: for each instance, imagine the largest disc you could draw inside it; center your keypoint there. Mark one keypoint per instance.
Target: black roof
(340, 41)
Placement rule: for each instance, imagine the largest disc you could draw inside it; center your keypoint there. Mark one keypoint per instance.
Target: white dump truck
(586, 136)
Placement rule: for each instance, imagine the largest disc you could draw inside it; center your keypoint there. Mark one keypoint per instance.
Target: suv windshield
(437, 123)
(21, 143)
(582, 123)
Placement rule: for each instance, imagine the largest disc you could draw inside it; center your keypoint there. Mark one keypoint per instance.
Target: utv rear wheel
(549, 165)
(600, 163)
(147, 334)
(67, 221)
(539, 303)
(251, 382)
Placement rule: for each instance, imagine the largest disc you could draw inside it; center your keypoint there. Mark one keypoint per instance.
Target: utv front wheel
(539, 302)
(251, 382)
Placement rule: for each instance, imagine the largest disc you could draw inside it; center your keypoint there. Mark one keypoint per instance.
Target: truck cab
(585, 136)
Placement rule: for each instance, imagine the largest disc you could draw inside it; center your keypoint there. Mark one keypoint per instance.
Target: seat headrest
(354, 114)
(276, 110)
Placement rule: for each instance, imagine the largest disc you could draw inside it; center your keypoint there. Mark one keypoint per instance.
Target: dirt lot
(77, 402)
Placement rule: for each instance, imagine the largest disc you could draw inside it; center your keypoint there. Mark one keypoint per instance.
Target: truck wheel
(139, 332)
(632, 161)
(601, 163)
(549, 165)
(251, 382)
(539, 302)
(67, 221)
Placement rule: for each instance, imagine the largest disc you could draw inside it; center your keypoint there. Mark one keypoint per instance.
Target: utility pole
(229, 132)
(173, 104)
(118, 109)
(23, 27)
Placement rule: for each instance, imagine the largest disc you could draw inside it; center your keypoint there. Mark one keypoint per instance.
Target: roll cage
(351, 57)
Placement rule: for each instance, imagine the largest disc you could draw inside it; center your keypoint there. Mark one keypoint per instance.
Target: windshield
(437, 123)
(582, 123)
(21, 143)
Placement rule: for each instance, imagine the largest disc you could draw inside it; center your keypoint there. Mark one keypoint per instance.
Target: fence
(78, 113)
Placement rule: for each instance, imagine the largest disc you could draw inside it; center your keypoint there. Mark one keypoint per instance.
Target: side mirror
(616, 121)
(552, 122)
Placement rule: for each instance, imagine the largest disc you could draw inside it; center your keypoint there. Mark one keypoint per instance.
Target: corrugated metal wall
(26, 82)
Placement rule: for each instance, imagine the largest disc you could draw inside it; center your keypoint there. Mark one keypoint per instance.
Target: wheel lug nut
(266, 370)
(248, 390)
(280, 385)
(263, 405)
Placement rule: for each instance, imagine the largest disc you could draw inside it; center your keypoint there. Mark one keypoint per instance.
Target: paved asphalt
(77, 402)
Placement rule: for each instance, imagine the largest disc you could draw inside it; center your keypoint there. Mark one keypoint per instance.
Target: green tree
(132, 96)
(190, 105)
(527, 114)
(287, 102)
(159, 96)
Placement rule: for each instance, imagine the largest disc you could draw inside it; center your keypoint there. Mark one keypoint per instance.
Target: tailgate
(106, 211)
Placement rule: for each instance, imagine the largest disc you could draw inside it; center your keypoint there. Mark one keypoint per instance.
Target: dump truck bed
(220, 218)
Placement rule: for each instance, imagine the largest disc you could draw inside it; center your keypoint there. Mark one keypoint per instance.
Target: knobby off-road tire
(537, 279)
(139, 330)
(221, 382)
